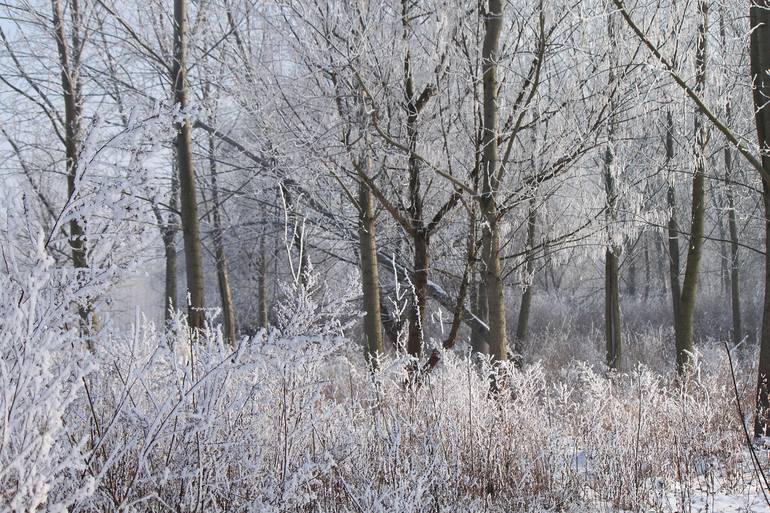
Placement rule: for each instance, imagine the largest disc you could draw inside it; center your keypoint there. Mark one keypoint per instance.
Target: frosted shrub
(42, 366)
(292, 420)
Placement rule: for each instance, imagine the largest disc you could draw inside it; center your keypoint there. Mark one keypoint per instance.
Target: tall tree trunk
(69, 50)
(612, 253)
(724, 273)
(661, 257)
(497, 337)
(470, 252)
(612, 322)
(189, 201)
(370, 276)
(631, 259)
(647, 268)
(548, 267)
(735, 290)
(759, 14)
(223, 275)
(170, 285)
(732, 224)
(673, 228)
(169, 230)
(415, 342)
(612, 325)
(685, 321)
(479, 304)
(522, 327)
(300, 242)
(262, 317)
(413, 105)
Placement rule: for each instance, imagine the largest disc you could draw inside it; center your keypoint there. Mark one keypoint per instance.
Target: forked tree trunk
(414, 102)
(686, 317)
(189, 201)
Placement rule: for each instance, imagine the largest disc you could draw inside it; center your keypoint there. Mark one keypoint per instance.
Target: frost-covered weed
(298, 424)
(292, 420)
(42, 365)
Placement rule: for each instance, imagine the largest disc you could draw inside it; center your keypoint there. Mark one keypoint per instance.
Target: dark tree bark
(262, 317)
(470, 252)
(189, 200)
(632, 271)
(497, 337)
(370, 276)
(480, 310)
(647, 268)
(612, 328)
(759, 13)
(522, 326)
(732, 225)
(686, 316)
(735, 287)
(168, 232)
(674, 264)
(223, 274)
(612, 325)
